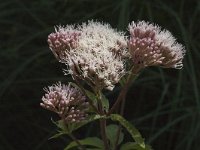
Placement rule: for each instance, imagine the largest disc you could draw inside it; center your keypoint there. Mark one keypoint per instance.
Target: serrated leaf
(90, 141)
(134, 146)
(130, 128)
(111, 132)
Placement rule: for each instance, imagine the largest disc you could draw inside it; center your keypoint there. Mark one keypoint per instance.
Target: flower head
(97, 55)
(62, 41)
(68, 102)
(150, 46)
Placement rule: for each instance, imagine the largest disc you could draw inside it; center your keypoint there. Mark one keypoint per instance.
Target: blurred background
(163, 104)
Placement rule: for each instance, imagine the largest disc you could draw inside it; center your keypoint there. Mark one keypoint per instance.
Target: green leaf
(61, 125)
(91, 96)
(91, 118)
(134, 146)
(62, 128)
(112, 133)
(131, 146)
(105, 102)
(69, 128)
(130, 128)
(94, 149)
(90, 141)
(74, 126)
(57, 135)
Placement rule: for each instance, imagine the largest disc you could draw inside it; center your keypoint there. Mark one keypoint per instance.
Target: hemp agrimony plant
(98, 57)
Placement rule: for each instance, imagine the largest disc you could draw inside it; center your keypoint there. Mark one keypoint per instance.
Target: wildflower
(151, 46)
(68, 102)
(62, 41)
(98, 56)
(93, 51)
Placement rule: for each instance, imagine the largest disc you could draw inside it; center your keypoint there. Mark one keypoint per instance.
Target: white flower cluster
(97, 56)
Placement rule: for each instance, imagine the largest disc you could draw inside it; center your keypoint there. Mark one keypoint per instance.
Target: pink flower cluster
(62, 41)
(150, 46)
(68, 102)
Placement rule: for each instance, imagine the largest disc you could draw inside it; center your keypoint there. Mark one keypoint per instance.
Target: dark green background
(163, 104)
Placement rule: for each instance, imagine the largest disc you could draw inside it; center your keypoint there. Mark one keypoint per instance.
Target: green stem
(102, 121)
(103, 133)
(124, 90)
(119, 127)
(122, 99)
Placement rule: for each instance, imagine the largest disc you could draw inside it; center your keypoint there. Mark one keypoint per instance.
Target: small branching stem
(124, 90)
(121, 99)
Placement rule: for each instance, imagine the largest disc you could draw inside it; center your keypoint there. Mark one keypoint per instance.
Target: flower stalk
(102, 121)
(122, 95)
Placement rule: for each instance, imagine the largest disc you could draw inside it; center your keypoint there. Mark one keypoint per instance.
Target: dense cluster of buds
(62, 41)
(150, 46)
(68, 102)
